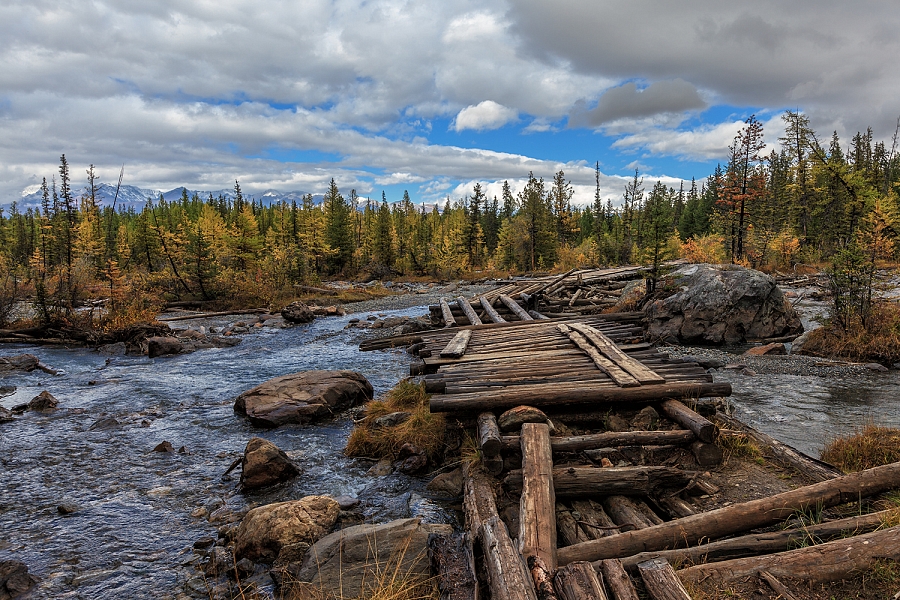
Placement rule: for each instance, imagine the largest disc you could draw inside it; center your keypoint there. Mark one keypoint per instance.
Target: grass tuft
(740, 446)
(869, 447)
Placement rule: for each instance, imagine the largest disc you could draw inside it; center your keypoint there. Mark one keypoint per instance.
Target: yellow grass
(869, 447)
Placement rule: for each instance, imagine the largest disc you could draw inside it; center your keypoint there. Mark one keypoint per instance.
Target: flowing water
(131, 534)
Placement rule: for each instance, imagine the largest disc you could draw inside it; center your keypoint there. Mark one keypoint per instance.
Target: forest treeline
(808, 201)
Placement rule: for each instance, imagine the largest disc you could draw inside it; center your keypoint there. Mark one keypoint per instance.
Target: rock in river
(264, 464)
(14, 579)
(721, 304)
(267, 529)
(43, 402)
(162, 346)
(303, 397)
(297, 312)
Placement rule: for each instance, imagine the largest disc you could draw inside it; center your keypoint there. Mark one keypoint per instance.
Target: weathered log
(684, 416)
(457, 346)
(605, 345)
(538, 316)
(676, 506)
(619, 376)
(449, 321)
(507, 574)
(822, 563)
(756, 544)
(451, 560)
(593, 521)
(617, 580)
(491, 311)
(542, 577)
(245, 311)
(470, 313)
(573, 482)
(579, 581)
(567, 530)
(513, 306)
(609, 439)
(812, 468)
(537, 506)
(556, 395)
(738, 517)
(661, 582)
(778, 587)
(493, 464)
(488, 434)
(625, 514)
(707, 455)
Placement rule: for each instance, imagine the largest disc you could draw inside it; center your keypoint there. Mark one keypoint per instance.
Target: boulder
(297, 312)
(23, 362)
(392, 419)
(303, 397)
(14, 579)
(798, 343)
(163, 346)
(773, 348)
(348, 560)
(411, 459)
(720, 304)
(267, 529)
(449, 485)
(5, 415)
(646, 419)
(43, 402)
(264, 464)
(513, 419)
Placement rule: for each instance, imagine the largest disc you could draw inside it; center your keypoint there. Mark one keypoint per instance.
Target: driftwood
(467, 309)
(488, 434)
(609, 439)
(451, 560)
(449, 321)
(637, 370)
(738, 517)
(592, 481)
(778, 587)
(822, 563)
(617, 580)
(514, 307)
(625, 514)
(661, 582)
(756, 544)
(579, 581)
(705, 430)
(491, 311)
(537, 506)
(457, 346)
(542, 577)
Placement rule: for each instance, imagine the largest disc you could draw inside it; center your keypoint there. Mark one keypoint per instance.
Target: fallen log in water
(822, 563)
(738, 517)
(573, 482)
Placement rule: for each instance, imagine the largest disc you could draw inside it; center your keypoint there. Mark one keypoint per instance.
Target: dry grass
(878, 341)
(869, 447)
(422, 428)
(740, 446)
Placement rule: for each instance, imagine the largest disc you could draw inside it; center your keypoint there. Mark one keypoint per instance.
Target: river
(132, 531)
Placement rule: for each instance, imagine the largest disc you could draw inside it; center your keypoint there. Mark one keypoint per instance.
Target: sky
(428, 97)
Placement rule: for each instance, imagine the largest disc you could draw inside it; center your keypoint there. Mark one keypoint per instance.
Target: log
(567, 530)
(451, 560)
(574, 482)
(517, 310)
(822, 563)
(617, 580)
(738, 517)
(684, 416)
(469, 311)
(777, 587)
(554, 395)
(457, 346)
(493, 464)
(756, 544)
(491, 311)
(605, 345)
(449, 321)
(507, 574)
(661, 582)
(537, 506)
(542, 577)
(224, 313)
(619, 376)
(488, 434)
(707, 455)
(538, 316)
(593, 520)
(609, 439)
(676, 506)
(579, 581)
(625, 514)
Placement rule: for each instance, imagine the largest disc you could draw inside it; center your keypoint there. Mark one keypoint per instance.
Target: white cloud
(484, 115)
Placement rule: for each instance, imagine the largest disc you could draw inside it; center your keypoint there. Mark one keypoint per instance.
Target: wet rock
(15, 579)
(646, 419)
(344, 559)
(190, 334)
(798, 343)
(5, 415)
(221, 562)
(449, 484)
(411, 459)
(381, 468)
(393, 419)
(303, 397)
(875, 367)
(244, 567)
(23, 362)
(774, 348)
(105, 423)
(163, 346)
(43, 402)
(513, 419)
(67, 508)
(721, 304)
(164, 447)
(297, 312)
(267, 529)
(327, 311)
(347, 502)
(265, 464)
(200, 512)
(7, 390)
(204, 542)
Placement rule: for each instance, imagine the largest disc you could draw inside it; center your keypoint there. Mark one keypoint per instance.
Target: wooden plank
(456, 347)
(515, 308)
(620, 377)
(469, 311)
(661, 582)
(491, 312)
(449, 321)
(537, 506)
(640, 372)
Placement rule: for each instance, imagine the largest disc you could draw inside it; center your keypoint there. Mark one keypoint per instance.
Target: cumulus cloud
(629, 102)
(484, 115)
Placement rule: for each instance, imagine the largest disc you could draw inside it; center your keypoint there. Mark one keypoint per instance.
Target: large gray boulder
(721, 304)
(347, 560)
(303, 397)
(267, 529)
